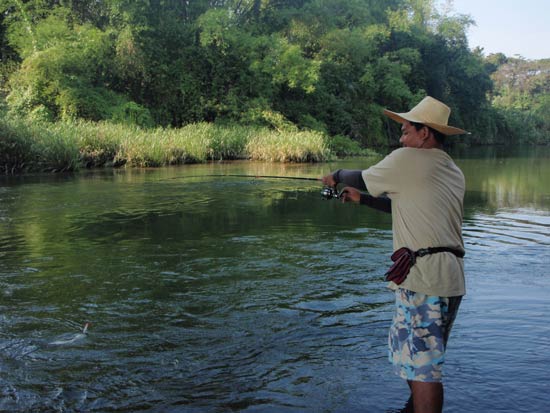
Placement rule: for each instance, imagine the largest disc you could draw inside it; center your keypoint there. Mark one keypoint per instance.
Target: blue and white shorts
(419, 332)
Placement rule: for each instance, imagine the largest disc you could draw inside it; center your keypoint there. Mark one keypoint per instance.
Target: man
(424, 190)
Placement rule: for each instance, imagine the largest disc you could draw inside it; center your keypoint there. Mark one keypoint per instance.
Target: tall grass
(30, 147)
(296, 146)
(63, 146)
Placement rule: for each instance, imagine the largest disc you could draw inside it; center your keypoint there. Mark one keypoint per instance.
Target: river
(206, 293)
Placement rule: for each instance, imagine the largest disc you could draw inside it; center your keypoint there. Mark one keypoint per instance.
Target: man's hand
(329, 180)
(350, 194)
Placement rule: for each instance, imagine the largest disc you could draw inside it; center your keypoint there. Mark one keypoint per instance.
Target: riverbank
(70, 146)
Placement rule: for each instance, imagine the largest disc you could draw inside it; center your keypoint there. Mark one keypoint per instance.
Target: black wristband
(381, 204)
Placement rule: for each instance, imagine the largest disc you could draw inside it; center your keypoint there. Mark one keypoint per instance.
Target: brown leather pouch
(403, 259)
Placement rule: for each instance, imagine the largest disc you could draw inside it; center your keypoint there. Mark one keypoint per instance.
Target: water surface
(219, 294)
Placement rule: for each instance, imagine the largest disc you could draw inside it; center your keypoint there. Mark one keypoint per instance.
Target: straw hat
(430, 112)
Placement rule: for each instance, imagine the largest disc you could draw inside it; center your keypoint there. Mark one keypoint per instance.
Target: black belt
(405, 258)
(434, 250)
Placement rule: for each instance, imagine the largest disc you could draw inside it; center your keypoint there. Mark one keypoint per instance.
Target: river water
(230, 294)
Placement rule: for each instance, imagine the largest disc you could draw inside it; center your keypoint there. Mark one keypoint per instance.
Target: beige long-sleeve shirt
(426, 189)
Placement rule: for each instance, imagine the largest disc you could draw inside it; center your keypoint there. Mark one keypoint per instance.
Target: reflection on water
(519, 228)
(214, 294)
(500, 179)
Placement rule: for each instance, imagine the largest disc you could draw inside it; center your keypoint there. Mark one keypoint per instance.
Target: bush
(343, 146)
(132, 113)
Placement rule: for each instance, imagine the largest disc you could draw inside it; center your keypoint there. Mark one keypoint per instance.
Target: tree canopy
(327, 65)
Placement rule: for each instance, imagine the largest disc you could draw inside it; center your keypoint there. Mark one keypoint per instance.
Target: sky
(513, 27)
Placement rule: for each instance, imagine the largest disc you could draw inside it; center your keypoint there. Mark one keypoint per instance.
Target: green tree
(328, 65)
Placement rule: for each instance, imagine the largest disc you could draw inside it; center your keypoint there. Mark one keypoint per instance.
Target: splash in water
(72, 339)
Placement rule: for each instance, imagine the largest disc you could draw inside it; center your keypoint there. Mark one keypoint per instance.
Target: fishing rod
(326, 193)
(301, 178)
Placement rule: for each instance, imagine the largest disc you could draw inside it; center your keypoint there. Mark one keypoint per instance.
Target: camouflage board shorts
(419, 332)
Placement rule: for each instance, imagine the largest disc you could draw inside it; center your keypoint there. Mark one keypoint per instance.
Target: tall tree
(329, 65)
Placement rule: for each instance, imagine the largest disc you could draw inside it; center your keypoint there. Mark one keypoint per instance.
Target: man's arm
(354, 179)
(350, 177)
(381, 203)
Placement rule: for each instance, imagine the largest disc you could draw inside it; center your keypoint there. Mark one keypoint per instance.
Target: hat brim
(444, 129)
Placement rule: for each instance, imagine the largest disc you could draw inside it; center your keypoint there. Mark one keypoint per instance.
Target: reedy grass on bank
(66, 146)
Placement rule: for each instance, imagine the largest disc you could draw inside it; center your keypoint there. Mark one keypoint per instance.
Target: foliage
(520, 84)
(15, 147)
(70, 145)
(32, 146)
(345, 146)
(322, 65)
(297, 147)
(521, 97)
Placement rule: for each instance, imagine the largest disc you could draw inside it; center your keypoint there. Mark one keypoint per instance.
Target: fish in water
(72, 339)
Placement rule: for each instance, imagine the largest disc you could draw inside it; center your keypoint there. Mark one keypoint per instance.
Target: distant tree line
(325, 65)
(521, 95)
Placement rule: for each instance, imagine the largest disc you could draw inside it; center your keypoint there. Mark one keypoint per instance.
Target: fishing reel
(330, 193)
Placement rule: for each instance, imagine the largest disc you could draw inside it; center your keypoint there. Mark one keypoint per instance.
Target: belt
(404, 259)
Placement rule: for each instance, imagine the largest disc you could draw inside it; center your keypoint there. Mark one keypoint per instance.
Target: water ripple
(508, 229)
